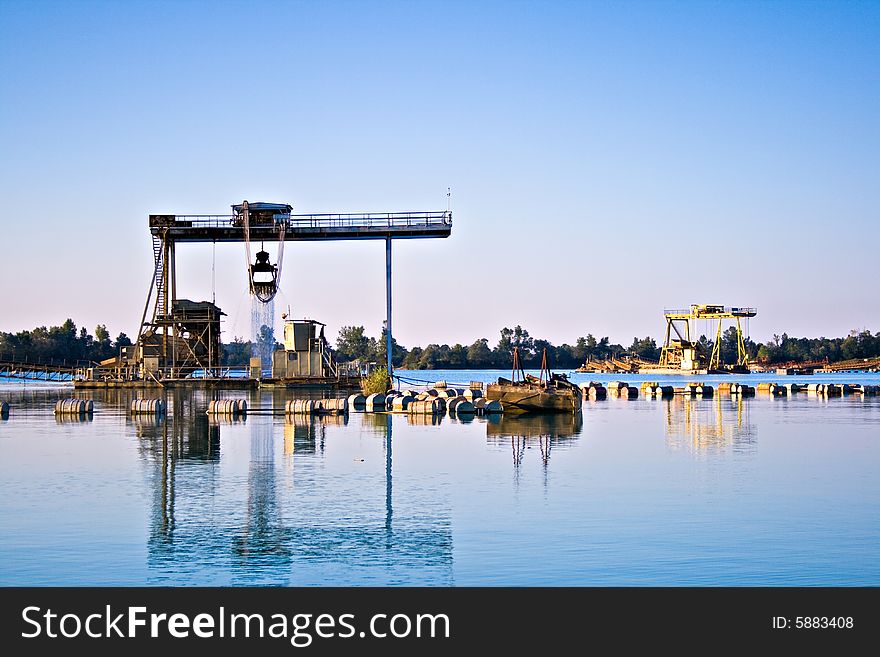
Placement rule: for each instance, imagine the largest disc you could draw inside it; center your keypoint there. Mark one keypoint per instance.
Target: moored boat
(549, 392)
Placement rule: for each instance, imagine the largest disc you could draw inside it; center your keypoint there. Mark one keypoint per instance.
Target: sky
(606, 160)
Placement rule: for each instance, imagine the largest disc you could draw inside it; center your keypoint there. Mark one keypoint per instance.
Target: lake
(716, 491)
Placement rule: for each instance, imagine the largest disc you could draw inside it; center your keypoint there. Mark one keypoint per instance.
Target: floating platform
(168, 384)
(227, 383)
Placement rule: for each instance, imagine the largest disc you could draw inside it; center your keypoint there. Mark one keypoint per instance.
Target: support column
(388, 338)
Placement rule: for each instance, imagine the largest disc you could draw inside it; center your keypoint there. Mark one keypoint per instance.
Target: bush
(376, 381)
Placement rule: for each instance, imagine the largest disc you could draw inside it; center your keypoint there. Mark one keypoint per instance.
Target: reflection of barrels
(375, 402)
(147, 406)
(300, 407)
(4, 409)
(74, 406)
(231, 407)
(333, 406)
(742, 390)
(357, 401)
(832, 390)
(441, 404)
(428, 407)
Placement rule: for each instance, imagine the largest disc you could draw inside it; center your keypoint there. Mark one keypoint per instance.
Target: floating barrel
(491, 407)
(724, 387)
(813, 387)
(765, 387)
(615, 385)
(453, 402)
(333, 406)
(628, 392)
(664, 391)
(596, 391)
(147, 406)
(462, 407)
(300, 407)
(227, 407)
(402, 402)
(846, 389)
(441, 403)
(832, 390)
(428, 407)
(648, 384)
(389, 400)
(440, 385)
(74, 406)
(472, 394)
(793, 388)
(431, 393)
(4, 409)
(705, 391)
(742, 390)
(409, 393)
(375, 402)
(357, 401)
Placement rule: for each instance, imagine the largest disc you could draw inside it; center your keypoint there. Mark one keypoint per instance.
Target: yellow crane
(685, 353)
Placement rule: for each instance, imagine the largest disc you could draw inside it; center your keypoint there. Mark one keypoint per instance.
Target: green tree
(479, 355)
(352, 344)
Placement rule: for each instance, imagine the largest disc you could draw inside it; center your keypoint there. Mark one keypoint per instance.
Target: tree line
(66, 343)
(61, 344)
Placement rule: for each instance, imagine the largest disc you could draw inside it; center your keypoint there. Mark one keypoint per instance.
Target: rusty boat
(526, 393)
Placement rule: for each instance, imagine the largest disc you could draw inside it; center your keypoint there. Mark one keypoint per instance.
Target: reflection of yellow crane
(685, 353)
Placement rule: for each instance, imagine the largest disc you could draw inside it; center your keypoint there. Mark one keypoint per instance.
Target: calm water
(642, 492)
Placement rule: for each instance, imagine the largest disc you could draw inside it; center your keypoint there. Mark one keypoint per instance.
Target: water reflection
(709, 424)
(522, 431)
(265, 519)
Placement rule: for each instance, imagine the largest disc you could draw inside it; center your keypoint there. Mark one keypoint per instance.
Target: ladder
(159, 274)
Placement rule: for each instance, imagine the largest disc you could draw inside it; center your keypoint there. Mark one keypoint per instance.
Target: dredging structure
(178, 341)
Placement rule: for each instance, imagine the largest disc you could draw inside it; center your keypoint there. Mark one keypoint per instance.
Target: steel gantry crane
(182, 336)
(683, 352)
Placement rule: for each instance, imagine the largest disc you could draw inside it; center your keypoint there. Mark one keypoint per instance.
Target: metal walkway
(26, 371)
(368, 225)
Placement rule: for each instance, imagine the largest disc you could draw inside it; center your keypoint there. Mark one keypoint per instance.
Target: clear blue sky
(607, 160)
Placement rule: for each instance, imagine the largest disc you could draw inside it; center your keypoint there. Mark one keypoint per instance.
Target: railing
(697, 314)
(318, 221)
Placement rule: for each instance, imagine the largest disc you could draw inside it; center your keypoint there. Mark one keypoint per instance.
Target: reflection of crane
(685, 353)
